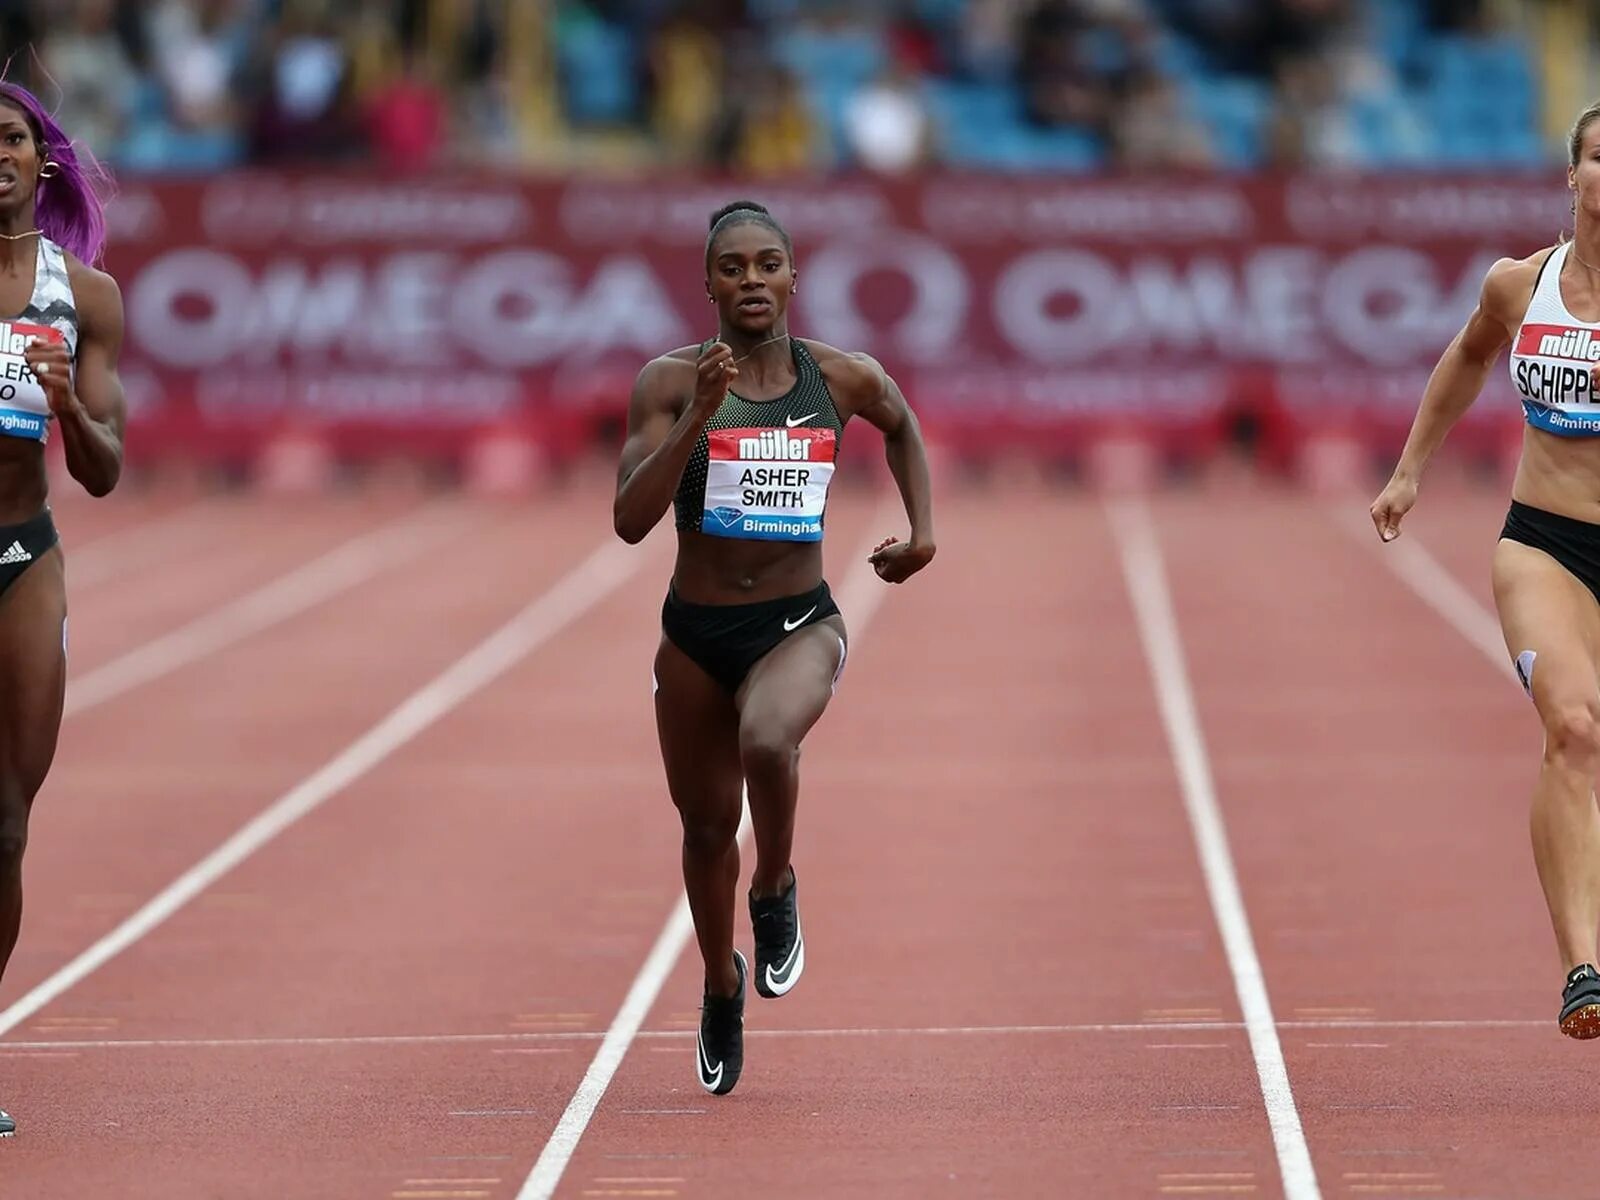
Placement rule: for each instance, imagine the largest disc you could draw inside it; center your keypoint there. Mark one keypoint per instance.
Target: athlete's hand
(715, 371)
(896, 561)
(50, 364)
(1391, 506)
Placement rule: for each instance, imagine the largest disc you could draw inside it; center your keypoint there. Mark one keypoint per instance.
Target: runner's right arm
(661, 436)
(1455, 383)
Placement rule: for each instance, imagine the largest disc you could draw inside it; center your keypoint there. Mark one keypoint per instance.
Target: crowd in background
(769, 87)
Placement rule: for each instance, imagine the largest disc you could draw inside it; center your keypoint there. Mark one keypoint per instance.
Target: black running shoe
(1580, 1003)
(8, 1127)
(719, 1051)
(780, 950)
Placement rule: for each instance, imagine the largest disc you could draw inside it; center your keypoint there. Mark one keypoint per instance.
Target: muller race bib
(24, 411)
(770, 484)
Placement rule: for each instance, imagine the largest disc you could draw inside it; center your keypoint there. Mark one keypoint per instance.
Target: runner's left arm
(907, 455)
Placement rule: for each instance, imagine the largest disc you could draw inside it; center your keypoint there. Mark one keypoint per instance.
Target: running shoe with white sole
(780, 948)
(1580, 1003)
(8, 1127)
(719, 1050)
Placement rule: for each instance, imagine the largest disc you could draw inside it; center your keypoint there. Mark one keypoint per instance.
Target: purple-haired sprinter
(60, 331)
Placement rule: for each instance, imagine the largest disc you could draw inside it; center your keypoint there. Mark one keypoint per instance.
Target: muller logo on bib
(14, 336)
(1559, 341)
(778, 445)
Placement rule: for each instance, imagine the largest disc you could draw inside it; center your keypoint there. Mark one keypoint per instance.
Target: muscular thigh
(1551, 625)
(788, 689)
(698, 727)
(33, 669)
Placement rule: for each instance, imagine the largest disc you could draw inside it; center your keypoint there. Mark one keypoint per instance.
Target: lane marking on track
(109, 555)
(1435, 586)
(1146, 579)
(639, 1179)
(496, 1112)
(426, 1039)
(859, 598)
(568, 599)
(462, 1182)
(338, 570)
(1205, 1176)
(1347, 1045)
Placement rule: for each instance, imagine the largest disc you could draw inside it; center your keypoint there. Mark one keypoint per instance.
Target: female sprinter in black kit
(1546, 310)
(752, 643)
(60, 331)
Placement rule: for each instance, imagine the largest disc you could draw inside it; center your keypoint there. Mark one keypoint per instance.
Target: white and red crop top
(51, 314)
(1553, 358)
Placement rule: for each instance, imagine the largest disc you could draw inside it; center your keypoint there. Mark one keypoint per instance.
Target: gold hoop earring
(50, 170)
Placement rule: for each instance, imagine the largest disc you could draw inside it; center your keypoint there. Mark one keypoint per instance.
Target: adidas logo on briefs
(16, 554)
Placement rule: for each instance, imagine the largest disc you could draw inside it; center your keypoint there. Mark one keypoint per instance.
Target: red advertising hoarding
(395, 312)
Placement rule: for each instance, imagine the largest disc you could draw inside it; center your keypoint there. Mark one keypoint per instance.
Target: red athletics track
(1375, 767)
(1015, 983)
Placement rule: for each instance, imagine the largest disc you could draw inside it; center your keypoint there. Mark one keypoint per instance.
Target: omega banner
(424, 310)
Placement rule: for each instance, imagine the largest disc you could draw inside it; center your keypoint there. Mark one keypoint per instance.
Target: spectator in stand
(299, 83)
(685, 85)
(1151, 128)
(194, 84)
(87, 60)
(887, 127)
(199, 46)
(406, 118)
(777, 134)
(1079, 59)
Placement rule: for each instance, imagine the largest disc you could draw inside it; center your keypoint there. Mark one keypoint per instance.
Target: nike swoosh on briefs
(791, 422)
(791, 626)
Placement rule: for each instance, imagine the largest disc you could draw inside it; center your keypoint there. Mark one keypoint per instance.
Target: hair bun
(737, 206)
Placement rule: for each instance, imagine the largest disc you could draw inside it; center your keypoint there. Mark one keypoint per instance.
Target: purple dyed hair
(69, 208)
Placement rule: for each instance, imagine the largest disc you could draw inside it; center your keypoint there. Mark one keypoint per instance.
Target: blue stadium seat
(981, 126)
(833, 58)
(1398, 34)
(156, 147)
(597, 72)
(1235, 111)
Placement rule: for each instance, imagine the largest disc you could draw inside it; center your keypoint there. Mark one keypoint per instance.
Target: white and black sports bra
(1553, 358)
(52, 314)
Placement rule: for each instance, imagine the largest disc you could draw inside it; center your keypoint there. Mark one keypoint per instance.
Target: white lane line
(340, 569)
(684, 1035)
(1433, 584)
(859, 598)
(1158, 628)
(113, 554)
(601, 573)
